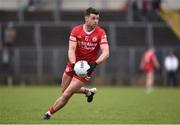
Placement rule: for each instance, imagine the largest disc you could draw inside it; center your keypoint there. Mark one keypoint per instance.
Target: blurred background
(34, 38)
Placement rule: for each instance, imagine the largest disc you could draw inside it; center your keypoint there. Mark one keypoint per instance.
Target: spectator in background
(9, 35)
(148, 63)
(7, 52)
(140, 9)
(31, 5)
(145, 9)
(171, 65)
(156, 5)
(135, 9)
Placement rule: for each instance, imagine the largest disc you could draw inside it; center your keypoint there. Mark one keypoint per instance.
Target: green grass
(111, 105)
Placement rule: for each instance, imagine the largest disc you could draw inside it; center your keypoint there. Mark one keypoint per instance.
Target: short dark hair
(91, 11)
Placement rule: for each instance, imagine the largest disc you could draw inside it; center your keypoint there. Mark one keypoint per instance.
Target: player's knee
(62, 90)
(66, 95)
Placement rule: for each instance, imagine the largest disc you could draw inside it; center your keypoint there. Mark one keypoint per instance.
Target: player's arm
(141, 66)
(105, 53)
(71, 51)
(156, 63)
(103, 56)
(104, 46)
(72, 46)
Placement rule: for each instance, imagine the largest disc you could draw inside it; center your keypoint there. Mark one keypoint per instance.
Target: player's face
(92, 20)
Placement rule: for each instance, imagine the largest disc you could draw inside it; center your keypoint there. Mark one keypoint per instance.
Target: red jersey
(148, 60)
(88, 43)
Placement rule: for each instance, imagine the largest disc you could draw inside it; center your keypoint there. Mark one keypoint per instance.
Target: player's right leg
(150, 79)
(149, 82)
(74, 85)
(66, 79)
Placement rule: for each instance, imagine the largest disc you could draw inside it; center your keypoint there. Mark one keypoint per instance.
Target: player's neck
(88, 28)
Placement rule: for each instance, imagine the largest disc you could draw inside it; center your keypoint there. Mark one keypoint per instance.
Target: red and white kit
(88, 46)
(149, 58)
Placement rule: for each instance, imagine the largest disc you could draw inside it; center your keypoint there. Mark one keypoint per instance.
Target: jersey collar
(87, 31)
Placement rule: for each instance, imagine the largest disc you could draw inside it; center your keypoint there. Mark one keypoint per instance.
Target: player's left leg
(88, 92)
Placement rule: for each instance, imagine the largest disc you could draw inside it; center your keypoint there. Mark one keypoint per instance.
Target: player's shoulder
(100, 30)
(78, 27)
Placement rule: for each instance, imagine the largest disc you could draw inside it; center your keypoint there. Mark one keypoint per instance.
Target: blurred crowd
(7, 53)
(145, 9)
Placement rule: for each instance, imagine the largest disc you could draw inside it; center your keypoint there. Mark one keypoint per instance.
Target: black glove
(72, 67)
(92, 68)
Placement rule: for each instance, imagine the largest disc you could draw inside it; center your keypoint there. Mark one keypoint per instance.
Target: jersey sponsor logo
(94, 39)
(86, 38)
(88, 45)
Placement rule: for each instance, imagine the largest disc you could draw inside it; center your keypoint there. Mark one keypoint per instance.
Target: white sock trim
(88, 93)
(94, 90)
(49, 113)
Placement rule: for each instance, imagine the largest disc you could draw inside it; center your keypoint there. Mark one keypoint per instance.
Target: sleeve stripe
(103, 42)
(72, 38)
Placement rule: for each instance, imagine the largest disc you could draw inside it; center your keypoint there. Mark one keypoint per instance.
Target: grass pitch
(118, 105)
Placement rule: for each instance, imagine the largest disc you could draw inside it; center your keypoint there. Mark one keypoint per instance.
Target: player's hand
(92, 68)
(72, 67)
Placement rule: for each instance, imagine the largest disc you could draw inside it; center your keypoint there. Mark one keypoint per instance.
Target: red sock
(52, 110)
(84, 90)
